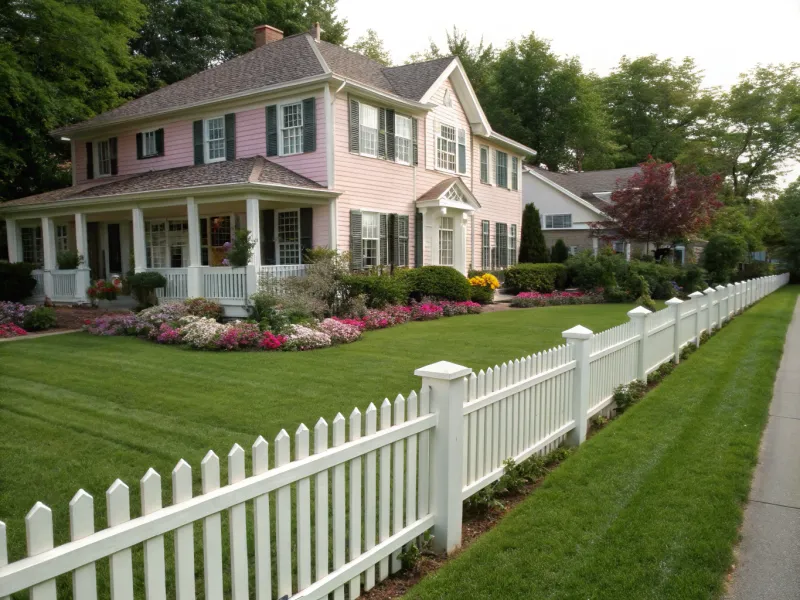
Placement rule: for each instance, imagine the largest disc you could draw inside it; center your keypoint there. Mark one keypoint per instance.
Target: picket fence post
(709, 292)
(447, 385)
(729, 310)
(720, 315)
(639, 316)
(675, 305)
(698, 325)
(579, 339)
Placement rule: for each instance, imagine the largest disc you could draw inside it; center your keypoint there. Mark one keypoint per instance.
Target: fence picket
(39, 534)
(301, 448)
(321, 503)
(118, 509)
(237, 528)
(384, 487)
(398, 453)
(212, 530)
(411, 463)
(261, 525)
(184, 536)
(81, 524)
(423, 499)
(355, 503)
(155, 585)
(283, 520)
(339, 514)
(370, 496)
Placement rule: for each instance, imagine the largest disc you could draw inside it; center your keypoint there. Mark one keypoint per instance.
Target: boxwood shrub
(445, 283)
(379, 290)
(536, 277)
(16, 282)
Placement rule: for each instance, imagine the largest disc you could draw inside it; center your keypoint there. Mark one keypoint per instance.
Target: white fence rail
(271, 277)
(177, 287)
(373, 483)
(64, 285)
(225, 285)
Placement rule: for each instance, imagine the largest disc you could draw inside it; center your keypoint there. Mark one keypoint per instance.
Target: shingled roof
(294, 58)
(255, 169)
(585, 184)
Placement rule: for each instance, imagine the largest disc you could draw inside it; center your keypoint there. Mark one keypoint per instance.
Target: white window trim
(168, 243)
(409, 138)
(438, 135)
(379, 258)
(96, 157)
(299, 236)
(281, 106)
(452, 231)
(544, 220)
(155, 149)
(361, 124)
(206, 159)
(507, 186)
(481, 148)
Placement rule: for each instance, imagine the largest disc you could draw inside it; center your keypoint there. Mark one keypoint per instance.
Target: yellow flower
(485, 280)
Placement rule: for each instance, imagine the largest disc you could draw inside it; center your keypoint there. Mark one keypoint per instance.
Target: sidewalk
(769, 554)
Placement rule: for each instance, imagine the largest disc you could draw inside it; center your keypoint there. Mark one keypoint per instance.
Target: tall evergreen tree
(559, 253)
(532, 248)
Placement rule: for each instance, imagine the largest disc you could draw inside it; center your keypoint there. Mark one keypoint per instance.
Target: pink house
(301, 142)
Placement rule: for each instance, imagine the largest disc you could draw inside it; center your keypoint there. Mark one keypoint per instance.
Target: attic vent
(448, 101)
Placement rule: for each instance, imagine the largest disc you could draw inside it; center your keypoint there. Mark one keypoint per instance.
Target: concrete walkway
(769, 554)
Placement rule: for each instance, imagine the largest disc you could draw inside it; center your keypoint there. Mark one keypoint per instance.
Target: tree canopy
(372, 46)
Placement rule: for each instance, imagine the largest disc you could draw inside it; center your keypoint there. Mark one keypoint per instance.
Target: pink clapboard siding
(179, 147)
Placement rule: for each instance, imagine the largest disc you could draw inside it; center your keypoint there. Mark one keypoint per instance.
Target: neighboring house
(300, 141)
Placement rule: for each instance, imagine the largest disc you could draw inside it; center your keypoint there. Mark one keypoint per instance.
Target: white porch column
(49, 248)
(194, 279)
(333, 225)
(432, 220)
(139, 244)
(595, 245)
(628, 250)
(254, 227)
(460, 242)
(83, 276)
(14, 241)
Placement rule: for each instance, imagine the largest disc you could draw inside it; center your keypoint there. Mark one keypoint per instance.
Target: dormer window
(149, 144)
(214, 139)
(101, 158)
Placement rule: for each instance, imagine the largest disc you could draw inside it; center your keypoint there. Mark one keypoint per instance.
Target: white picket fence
(367, 490)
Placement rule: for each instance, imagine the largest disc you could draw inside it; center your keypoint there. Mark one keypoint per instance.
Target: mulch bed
(74, 317)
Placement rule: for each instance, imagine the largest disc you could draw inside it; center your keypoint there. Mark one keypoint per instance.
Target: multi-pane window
(62, 238)
(514, 173)
(462, 151)
(486, 252)
(167, 243)
(558, 221)
(484, 164)
(156, 244)
(292, 128)
(446, 241)
(215, 139)
(178, 243)
(32, 246)
(512, 246)
(402, 139)
(288, 236)
(149, 147)
(368, 130)
(103, 158)
(401, 260)
(446, 148)
(220, 231)
(370, 238)
(501, 175)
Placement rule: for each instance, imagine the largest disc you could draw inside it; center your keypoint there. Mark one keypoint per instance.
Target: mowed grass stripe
(649, 507)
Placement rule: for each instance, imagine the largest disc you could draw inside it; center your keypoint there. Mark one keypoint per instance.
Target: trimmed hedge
(379, 290)
(481, 294)
(436, 282)
(16, 282)
(536, 277)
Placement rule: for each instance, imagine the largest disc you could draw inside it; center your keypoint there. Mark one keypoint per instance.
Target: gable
(550, 200)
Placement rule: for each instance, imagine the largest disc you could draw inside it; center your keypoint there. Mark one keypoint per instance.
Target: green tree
(656, 107)
(532, 248)
(60, 62)
(183, 38)
(722, 255)
(559, 253)
(788, 207)
(371, 45)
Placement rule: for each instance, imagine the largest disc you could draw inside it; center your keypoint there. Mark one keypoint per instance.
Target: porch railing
(38, 291)
(64, 285)
(271, 277)
(177, 287)
(227, 286)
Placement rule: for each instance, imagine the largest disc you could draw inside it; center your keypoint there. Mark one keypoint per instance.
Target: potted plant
(103, 289)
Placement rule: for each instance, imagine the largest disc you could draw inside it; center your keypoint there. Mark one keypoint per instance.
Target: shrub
(378, 290)
(559, 253)
(171, 312)
(240, 251)
(659, 277)
(115, 324)
(69, 259)
(484, 501)
(753, 270)
(143, 287)
(647, 302)
(692, 278)
(536, 277)
(304, 338)
(340, 332)
(14, 313)
(104, 289)
(239, 335)
(436, 282)
(202, 307)
(426, 311)
(627, 394)
(39, 318)
(482, 288)
(270, 341)
(200, 332)
(589, 272)
(16, 281)
(722, 256)
(667, 368)
(322, 292)
(559, 455)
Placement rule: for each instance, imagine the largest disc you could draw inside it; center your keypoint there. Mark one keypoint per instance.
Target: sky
(725, 38)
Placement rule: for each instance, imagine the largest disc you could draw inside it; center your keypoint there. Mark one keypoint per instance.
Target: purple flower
(226, 246)
(226, 262)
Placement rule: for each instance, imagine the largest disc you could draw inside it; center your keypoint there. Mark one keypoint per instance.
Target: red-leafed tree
(660, 204)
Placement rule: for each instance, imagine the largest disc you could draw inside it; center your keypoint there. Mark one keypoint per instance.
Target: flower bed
(173, 323)
(9, 330)
(27, 317)
(536, 299)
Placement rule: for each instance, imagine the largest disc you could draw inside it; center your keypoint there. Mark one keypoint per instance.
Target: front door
(114, 249)
(96, 260)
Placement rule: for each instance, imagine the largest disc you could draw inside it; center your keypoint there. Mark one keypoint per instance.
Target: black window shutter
(306, 231)
(356, 252)
(268, 237)
(230, 136)
(393, 226)
(272, 130)
(112, 151)
(414, 145)
(309, 125)
(139, 153)
(384, 241)
(160, 142)
(390, 134)
(381, 133)
(401, 257)
(418, 224)
(354, 120)
(89, 161)
(197, 127)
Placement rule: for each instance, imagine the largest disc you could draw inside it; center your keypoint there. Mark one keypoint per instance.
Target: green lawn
(78, 411)
(650, 507)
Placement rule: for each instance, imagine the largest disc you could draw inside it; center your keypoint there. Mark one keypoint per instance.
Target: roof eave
(509, 143)
(381, 95)
(564, 191)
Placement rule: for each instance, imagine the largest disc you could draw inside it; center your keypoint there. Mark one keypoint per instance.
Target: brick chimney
(316, 30)
(266, 34)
